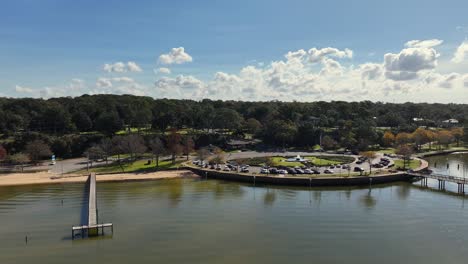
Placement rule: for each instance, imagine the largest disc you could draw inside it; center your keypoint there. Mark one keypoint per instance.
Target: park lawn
(136, 166)
(318, 161)
(281, 161)
(387, 150)
(413, 164)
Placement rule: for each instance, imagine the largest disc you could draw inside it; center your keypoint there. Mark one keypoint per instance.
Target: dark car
(359, 169)
(273, 170)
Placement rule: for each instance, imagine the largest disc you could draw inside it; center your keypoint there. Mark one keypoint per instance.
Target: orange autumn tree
(388, 139)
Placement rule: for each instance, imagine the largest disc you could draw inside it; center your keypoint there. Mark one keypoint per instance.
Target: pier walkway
(442, 180)
(92, 227)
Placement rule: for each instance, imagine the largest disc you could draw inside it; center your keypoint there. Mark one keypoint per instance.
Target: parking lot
(359, 165)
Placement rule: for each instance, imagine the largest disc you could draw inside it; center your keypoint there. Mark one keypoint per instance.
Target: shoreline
(23, 179)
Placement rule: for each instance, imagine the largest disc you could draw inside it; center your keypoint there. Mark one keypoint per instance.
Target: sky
(254, 50)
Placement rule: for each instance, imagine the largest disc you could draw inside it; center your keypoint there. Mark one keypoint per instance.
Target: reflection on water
(455, 164)
(208, 221)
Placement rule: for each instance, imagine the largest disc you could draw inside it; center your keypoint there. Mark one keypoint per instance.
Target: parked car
(332, 167)
(345, 167)
(273, 170)
(300, 171)
(244, 169)
(308, 171)
(282, 171)
(264, 171)
(218, 167)
(315, 172)
(291, 171)
(358, 169)
(328, 171)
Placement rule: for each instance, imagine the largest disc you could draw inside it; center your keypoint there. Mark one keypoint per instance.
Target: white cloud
(103, 83)
(461, 52)
(121, 67)
(133, 67)
(21, 89)
(409, 62)
(175, 56)
(371, 71)
(429, 43)
(163, 70)
(316, 55)
(465, 81)
(447, 81)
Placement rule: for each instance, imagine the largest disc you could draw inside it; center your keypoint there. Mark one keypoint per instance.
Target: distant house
(450, 122)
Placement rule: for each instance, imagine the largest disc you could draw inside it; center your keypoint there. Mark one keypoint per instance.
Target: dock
(442, 179)
(92, 227)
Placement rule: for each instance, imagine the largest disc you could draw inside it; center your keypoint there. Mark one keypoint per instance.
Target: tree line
(70, 126)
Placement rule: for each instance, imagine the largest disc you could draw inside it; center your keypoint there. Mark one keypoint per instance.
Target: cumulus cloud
(120, 67)
(119, 85)
(316, 55)
(22, 89)
(175, 56)
(370, 71)
(429, 43)
(133, 67)
(163, 70)
(442, 80)
(461, 52)
(406, 64)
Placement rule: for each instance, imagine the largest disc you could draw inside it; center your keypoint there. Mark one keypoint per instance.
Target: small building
(450, 122)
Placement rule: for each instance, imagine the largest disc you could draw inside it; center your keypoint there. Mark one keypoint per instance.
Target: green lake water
(209, 221)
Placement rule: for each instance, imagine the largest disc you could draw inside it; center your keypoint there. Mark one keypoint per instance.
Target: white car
(328, 171)
(226, 168)
(308, 171)
(264, 171)
(282, 172)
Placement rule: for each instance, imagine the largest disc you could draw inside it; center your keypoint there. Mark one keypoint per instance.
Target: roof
(451, 120)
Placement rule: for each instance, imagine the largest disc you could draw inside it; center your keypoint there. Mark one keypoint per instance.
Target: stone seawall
(301, 181)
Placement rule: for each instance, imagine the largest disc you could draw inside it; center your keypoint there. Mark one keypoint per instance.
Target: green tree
(38, 150)
(109, 123)
(20, 159)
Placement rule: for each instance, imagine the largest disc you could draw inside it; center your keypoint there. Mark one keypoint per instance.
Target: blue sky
(56, 44)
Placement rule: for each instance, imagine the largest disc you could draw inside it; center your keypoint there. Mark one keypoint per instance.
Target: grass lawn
(136, 166)
(386, 151)
(413, 164)
(318, 161)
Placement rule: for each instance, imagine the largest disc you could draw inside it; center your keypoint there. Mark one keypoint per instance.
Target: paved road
(70, 165)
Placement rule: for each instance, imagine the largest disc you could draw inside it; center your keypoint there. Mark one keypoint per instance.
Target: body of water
(209, 221)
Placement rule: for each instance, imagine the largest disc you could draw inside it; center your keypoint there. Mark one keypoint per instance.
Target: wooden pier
(92, 228)
(442, 179)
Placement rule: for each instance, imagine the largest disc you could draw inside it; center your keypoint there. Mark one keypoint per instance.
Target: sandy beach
(16, 179)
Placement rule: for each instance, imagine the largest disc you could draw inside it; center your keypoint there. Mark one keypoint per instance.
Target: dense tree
(388, 139)
(109, 123)
(328, 143)
(37, 150)
(444, 137)
(457, 133)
